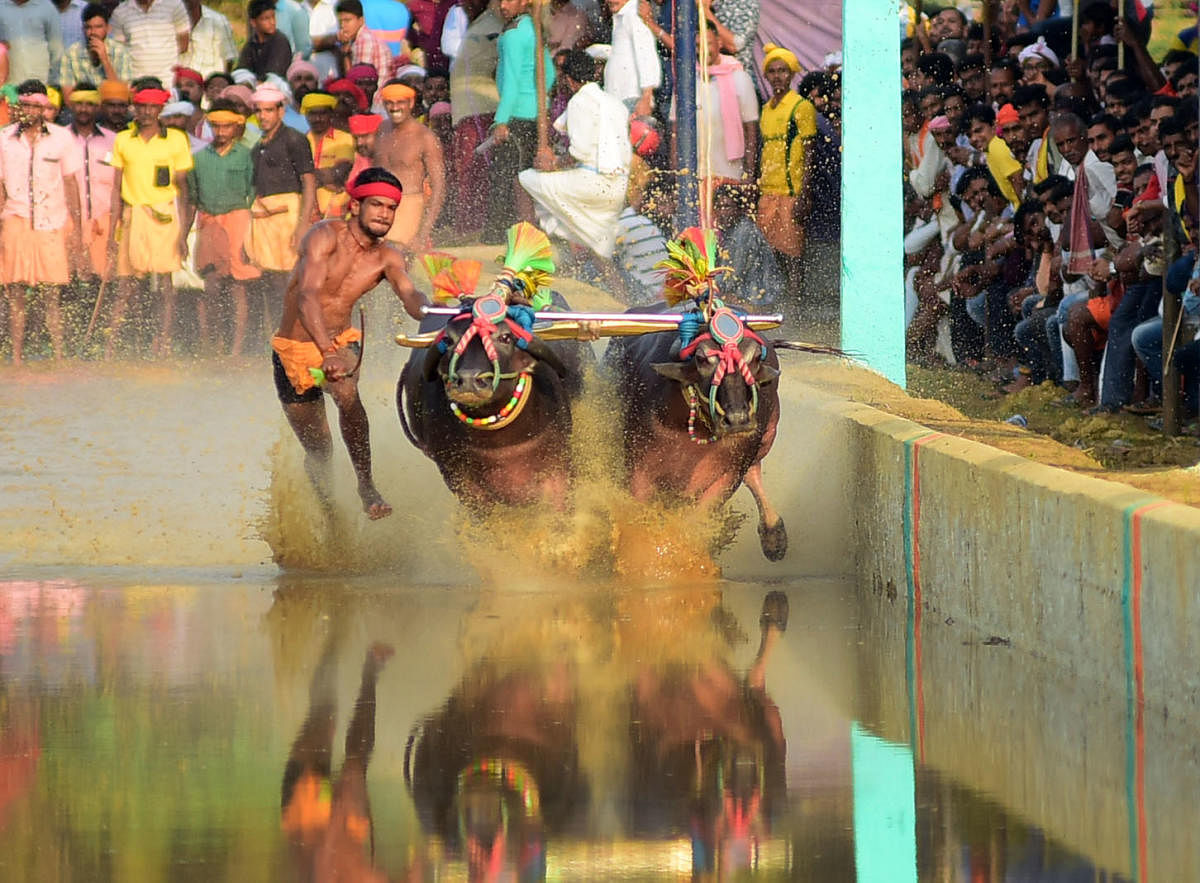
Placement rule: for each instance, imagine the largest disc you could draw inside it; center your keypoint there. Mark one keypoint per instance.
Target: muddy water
(584, 697)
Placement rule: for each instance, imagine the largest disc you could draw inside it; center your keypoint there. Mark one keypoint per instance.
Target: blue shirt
(33, 33)
(389, 19)
(516, 74)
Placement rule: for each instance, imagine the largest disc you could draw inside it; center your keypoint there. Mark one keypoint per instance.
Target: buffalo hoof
(773, 540)
(774, 611)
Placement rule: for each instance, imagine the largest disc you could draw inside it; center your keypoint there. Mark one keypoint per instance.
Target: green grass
(1170, 17)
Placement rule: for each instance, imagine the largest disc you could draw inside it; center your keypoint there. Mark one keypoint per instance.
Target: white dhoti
(578, 205)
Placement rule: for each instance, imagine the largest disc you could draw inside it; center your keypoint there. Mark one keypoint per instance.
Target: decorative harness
(726, 329)
(487, 313)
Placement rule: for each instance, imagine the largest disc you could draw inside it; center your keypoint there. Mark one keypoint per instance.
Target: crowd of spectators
(1049, 194)
(158, 173)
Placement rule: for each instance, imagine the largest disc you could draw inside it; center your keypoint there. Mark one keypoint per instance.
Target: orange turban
(397, 92)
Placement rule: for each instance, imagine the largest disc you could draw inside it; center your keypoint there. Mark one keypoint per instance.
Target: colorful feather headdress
(453, 278)
(527, 266)
(691, 267)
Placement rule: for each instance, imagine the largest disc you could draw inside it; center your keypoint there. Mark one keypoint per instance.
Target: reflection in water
(590, 733)
(327, 822)
(709, 753)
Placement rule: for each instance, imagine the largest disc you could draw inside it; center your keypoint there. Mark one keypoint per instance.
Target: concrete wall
(1036, 555)
(1036, 608)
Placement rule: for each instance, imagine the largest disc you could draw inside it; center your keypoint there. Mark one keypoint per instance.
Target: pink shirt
(96, 175)
(45, 163)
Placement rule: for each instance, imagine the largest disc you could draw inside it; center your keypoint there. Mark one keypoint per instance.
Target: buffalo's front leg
(772, 533)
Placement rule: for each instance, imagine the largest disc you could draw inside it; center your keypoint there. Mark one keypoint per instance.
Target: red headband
(186, 73)
(374, 188)
(151, 96)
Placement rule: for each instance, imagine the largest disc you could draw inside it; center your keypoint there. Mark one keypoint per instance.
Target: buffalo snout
(470, 388)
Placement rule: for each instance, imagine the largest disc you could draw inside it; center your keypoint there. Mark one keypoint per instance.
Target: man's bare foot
(373, 504)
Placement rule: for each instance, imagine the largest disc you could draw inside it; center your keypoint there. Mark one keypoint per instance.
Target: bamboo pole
(1121, 44)
(543, 123)
(1075, 30)
(987, 33)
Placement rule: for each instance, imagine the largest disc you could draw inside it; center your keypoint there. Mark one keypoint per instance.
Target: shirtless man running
(340, 261)
(411, 152)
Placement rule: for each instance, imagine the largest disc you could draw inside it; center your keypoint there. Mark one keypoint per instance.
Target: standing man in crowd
(31, 31)
(96, 145)
(582, 203)
(211, 46)
(788, 126)
(39, 163)
(220, 190)
(70, 21)
(364, 128)
(356, 42)
(267, 51)
(149, 198)
(157, 34)
(332, 152)
(98, 57)
(412, 153)
(339, 262)
(514, 127)
(633, 70)
(473, 102)
(284, 191)
(114, 105)
(729, 105)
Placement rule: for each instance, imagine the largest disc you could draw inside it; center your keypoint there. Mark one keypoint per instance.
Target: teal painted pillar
(872, 177)
(885, 809)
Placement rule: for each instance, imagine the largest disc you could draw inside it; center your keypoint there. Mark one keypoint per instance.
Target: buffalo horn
(539, 349)
(433, 355)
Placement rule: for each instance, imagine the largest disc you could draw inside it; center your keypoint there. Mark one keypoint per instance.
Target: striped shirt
(368, 48)
(77, 64)
(640, 245)
(149, 34)
(212, 45)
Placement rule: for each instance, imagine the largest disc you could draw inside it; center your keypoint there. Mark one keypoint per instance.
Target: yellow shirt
(784, 129)
(334, 147)
(1001, 163)
(145, 165)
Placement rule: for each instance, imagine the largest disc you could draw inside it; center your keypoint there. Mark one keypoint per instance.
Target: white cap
(599, 51)
(243, 77)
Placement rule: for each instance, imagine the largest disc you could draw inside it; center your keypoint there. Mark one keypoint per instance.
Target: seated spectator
(755, 278)
(1008, 174)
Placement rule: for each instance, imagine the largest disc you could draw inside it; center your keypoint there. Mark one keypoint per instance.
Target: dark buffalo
(495, 440)
(699, 426)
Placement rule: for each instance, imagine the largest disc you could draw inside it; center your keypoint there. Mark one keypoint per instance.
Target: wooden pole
(543, 122)
(1171, 317)
(1075, 31)
(987, 34)
(1121, 44)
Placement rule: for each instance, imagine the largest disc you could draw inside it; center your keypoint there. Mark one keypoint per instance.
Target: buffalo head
(721, 371)
(482, 351)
